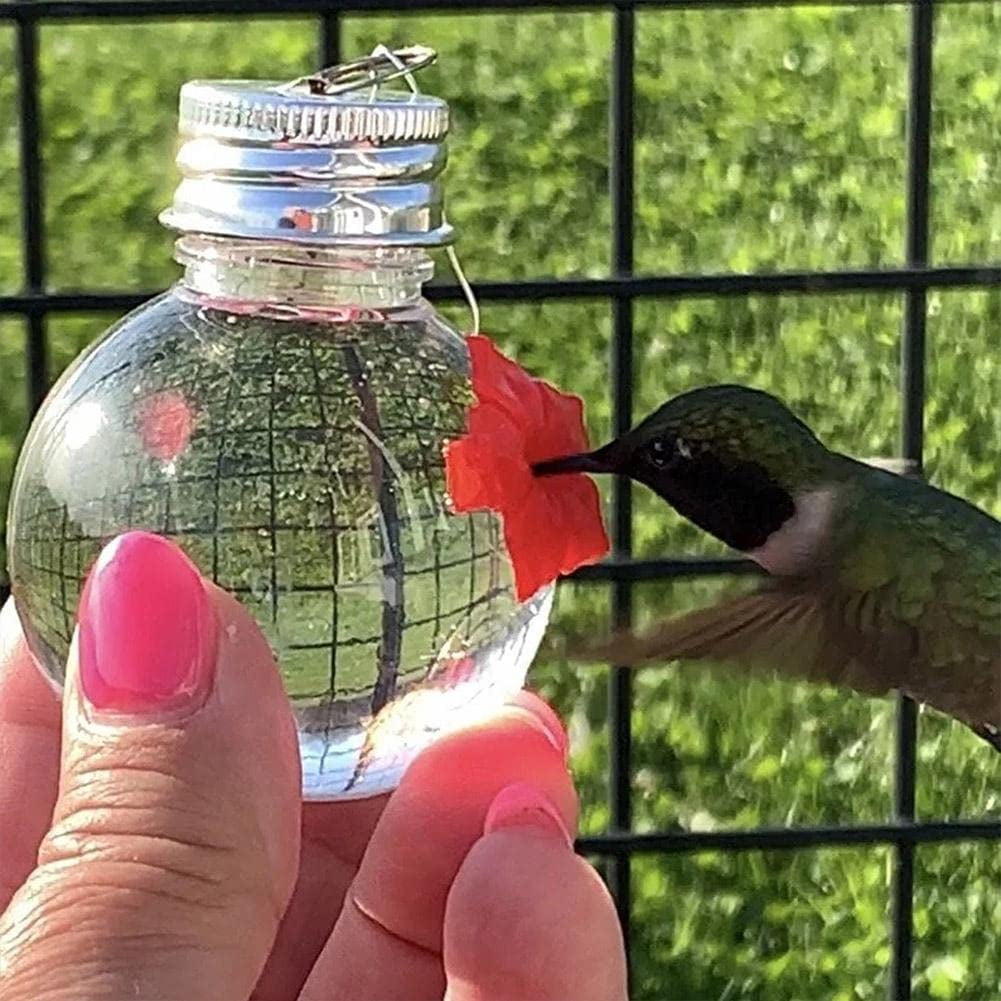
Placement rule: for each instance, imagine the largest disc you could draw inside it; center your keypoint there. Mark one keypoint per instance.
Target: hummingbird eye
(669, 451)
(661, 451)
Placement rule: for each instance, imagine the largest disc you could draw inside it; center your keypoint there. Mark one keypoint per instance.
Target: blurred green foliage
(766, 139)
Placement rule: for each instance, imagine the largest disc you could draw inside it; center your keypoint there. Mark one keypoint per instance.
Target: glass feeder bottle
(281, 414)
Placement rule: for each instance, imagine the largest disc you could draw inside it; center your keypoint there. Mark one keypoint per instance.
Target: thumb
(174, 843)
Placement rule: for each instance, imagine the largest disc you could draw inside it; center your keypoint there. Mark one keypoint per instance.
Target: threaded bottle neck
(300, 275)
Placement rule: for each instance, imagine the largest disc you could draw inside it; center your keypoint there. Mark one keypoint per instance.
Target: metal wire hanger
(382, 66)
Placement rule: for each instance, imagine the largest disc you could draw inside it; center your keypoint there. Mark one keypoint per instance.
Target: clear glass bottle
(281, 413)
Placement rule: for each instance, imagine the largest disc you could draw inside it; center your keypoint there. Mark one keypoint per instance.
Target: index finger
(29, 755)
(388, 940)
(334, 837)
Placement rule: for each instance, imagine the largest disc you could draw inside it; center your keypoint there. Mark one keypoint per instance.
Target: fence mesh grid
(914, 279)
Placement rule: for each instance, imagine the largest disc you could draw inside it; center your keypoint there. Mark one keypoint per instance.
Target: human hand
(153, 845)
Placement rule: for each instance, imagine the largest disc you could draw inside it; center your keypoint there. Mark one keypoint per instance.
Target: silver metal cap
(332, 158)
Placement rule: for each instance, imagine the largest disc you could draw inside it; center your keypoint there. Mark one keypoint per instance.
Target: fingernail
(147, 632)
(543, 715)
(522, 805)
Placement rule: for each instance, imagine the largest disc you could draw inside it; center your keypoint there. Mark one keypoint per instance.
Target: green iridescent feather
(902, 591)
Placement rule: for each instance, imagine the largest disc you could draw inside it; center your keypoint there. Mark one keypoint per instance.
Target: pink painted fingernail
(522, 805)
(147, 637)
(546, 716)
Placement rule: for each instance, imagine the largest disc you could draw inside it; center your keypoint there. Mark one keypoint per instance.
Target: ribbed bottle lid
(340, 157)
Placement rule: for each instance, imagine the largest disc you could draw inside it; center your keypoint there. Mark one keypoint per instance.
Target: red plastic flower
(552, 525)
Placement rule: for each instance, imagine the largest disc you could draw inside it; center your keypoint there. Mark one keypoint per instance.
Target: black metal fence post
(912, 387)
(32, 215)
(330, 38)
(621, 680)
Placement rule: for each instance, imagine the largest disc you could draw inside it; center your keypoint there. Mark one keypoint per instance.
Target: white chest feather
(791, 548)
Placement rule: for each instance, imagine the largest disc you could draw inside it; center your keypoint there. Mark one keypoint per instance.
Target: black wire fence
(621, 289)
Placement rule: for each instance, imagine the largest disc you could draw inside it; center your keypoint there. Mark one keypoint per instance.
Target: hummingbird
(873, 581)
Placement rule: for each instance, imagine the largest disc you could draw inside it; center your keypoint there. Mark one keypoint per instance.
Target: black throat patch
(736, 501)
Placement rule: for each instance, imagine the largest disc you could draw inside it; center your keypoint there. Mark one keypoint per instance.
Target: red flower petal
(588, 541)
(499, 380)
(562, 428)
(490, 470)
(465, 484)
(533, 533)
(551, 526)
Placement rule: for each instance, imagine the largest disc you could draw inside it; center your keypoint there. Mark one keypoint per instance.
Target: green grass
(766, 140)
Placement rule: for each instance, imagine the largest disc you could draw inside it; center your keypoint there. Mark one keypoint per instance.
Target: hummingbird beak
(601, 460)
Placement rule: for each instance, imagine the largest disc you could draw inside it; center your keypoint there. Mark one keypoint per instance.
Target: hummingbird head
(732, 460)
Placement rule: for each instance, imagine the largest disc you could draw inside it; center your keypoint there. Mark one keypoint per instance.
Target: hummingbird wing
(852, 638)
(790, 630)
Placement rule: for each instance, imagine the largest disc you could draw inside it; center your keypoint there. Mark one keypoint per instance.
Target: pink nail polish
(546, 716)
(147, 636)
(522, 805)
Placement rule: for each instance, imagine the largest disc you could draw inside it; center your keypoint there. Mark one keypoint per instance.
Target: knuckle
(131, 820)
(70, 931)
